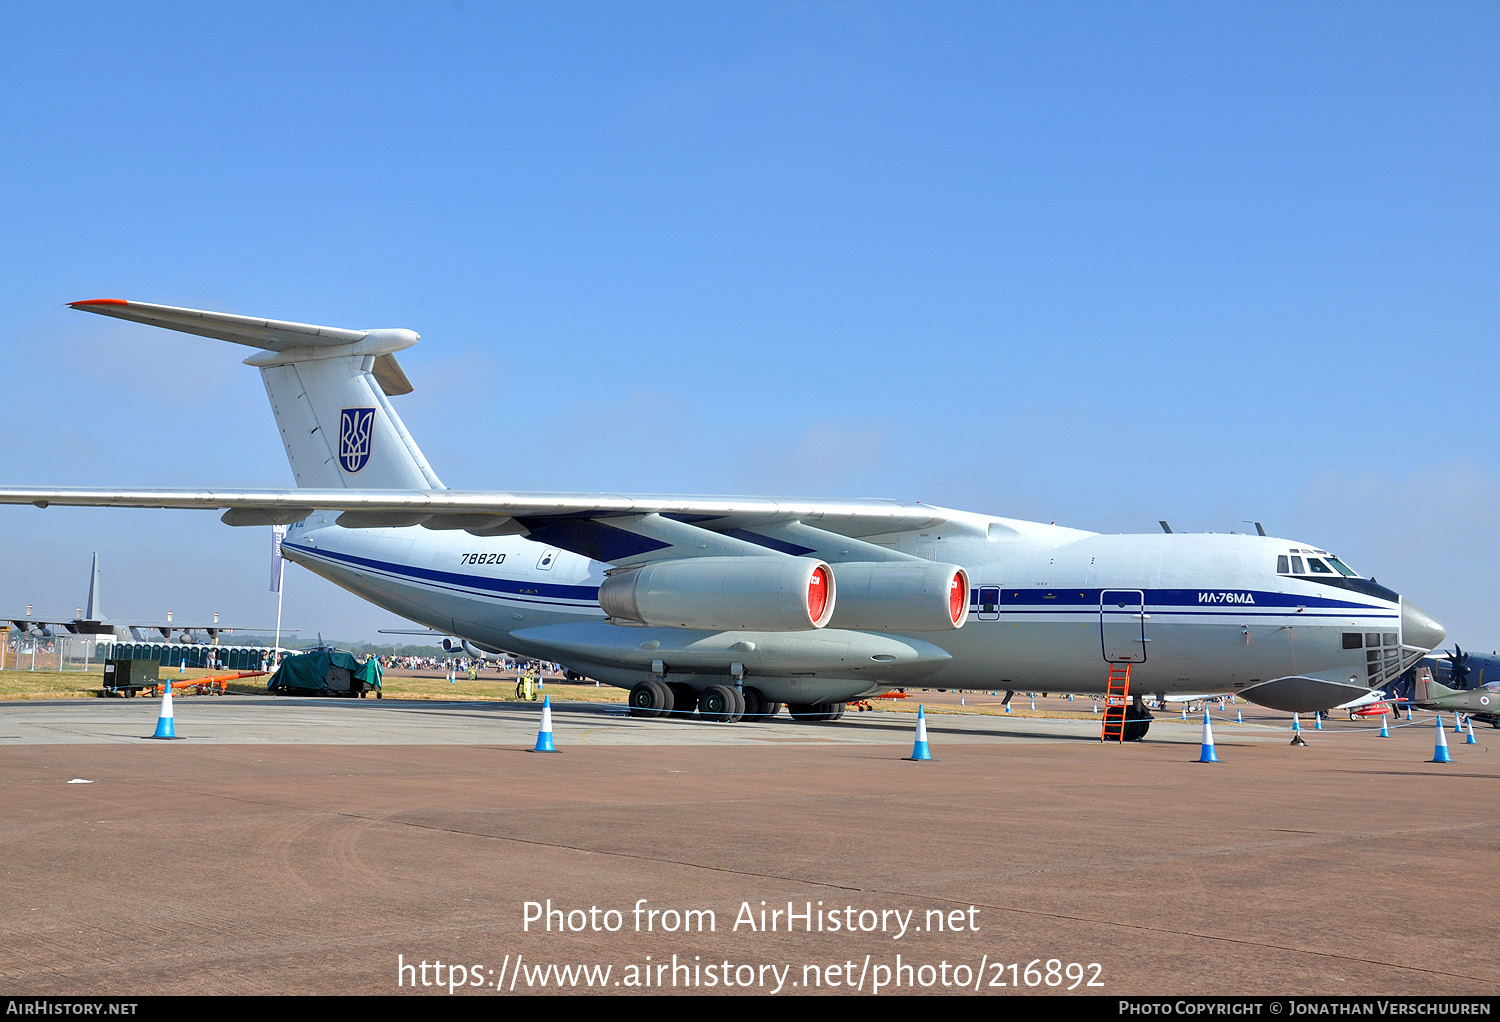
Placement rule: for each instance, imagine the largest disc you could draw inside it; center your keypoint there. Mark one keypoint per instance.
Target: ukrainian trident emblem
(356, 427)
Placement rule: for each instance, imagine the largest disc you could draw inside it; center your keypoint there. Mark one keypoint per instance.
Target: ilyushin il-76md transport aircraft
(736, 606)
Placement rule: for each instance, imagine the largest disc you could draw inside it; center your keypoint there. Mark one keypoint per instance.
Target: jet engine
(769, 594)
(901, 596)
(468, 649)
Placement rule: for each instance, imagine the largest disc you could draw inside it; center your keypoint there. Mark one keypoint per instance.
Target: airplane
(1373, 704)
(738, 605)
(93, 622)
(1482, 702)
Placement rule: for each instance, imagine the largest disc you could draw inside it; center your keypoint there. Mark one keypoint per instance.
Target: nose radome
(1418, 629)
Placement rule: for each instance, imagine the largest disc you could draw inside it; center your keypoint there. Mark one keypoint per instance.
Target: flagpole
(282, 570)
(278, 573)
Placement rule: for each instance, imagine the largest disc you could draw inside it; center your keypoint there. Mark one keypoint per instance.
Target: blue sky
(1099, 264)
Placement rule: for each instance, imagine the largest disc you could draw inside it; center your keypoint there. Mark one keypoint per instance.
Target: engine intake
(770, 594)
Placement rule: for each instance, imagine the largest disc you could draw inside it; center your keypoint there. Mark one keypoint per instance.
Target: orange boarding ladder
(1116, 698)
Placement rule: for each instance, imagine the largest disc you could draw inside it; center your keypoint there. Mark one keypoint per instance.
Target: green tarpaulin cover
(324, 670)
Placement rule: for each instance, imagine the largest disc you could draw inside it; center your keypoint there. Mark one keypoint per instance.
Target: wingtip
(97, 301)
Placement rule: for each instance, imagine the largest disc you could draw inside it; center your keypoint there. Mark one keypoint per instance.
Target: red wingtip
(98, 301)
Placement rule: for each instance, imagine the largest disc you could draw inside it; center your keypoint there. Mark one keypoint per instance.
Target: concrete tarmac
(328, 846)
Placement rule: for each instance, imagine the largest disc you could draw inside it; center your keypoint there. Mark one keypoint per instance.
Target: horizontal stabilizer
(268, 334)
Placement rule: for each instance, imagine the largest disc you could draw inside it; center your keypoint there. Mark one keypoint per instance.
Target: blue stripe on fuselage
(480, 584)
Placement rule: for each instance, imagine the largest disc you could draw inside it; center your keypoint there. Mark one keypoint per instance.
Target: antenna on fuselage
(1165, 527)
(1260, 530)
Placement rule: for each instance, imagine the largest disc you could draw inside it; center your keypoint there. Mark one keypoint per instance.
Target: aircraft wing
(614, 528)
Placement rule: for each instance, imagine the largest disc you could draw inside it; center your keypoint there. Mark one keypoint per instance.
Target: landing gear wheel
(684, 699)
(738, 713)
(804, 713)
(650, 699)
(720, 703)
(838, 711)
(1137, 723)
(755, 704)
(772, 709)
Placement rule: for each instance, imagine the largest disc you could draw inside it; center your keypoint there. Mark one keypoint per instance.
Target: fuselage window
(1281, 565)
(1296, 565)
(1317, 567)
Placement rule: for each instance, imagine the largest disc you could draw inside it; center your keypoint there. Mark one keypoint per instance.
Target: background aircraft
(92, 621)
(738, 605)
(1482, 702)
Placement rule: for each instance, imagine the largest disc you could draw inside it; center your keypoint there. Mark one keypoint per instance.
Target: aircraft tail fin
(329, 389)
(92, 611)
(1425, 688)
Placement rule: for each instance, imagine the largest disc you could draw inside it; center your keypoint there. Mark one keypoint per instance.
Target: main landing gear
(720, 703)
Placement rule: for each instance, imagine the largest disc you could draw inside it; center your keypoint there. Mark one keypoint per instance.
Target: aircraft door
(1122, 625)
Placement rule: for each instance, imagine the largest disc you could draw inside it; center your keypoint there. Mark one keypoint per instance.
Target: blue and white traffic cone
(1317, 721)
(1033, 700)
(1458, 725)
(1469, 735)
(961, 701)
(164, 722)
(1239, 718)
(1296, 723)
(1096, 706)
(544, 736)
(1440, 751)
(1385, 732)
(919, 750)
(1184, 711)
(1007, 707)
(1208, 755)
(1408, 711)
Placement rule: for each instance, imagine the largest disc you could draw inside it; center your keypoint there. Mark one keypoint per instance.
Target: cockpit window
(1323, 564)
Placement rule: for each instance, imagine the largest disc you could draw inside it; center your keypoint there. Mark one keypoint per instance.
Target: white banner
(278, 533)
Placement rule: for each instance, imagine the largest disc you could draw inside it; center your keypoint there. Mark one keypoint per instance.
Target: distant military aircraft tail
(1425, 689)
(328, 388)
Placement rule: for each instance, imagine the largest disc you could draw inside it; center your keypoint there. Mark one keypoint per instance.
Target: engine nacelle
(901, 596)
(468, 649)
(764, 594)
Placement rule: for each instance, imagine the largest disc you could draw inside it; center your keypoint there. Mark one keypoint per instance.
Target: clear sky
(1098, 264)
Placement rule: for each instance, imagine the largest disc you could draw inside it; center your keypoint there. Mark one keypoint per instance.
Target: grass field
(22, 685)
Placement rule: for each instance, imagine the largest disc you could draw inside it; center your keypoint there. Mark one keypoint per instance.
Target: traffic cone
(1208, 755)
(1033, 700)
(1440, 751)
(1239, 718)
(544, 736)
(1096, 706)
(1458, 727)
(1296, 723)
(961, 701)
(919, 750)
(1385, 732)
(1184, 711)
(1317, 722)
(164, 722)
(1469, 737)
